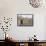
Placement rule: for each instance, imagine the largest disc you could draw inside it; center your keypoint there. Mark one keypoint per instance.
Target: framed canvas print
(24, 19)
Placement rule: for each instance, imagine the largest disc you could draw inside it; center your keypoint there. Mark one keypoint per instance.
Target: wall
(10, 8)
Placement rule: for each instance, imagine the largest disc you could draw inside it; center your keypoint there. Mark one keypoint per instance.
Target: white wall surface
(10, 8)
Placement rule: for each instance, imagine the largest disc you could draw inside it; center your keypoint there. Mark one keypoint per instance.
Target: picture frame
(24, 19)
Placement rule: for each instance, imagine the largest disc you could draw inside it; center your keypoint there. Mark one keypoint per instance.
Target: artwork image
(24, 19)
